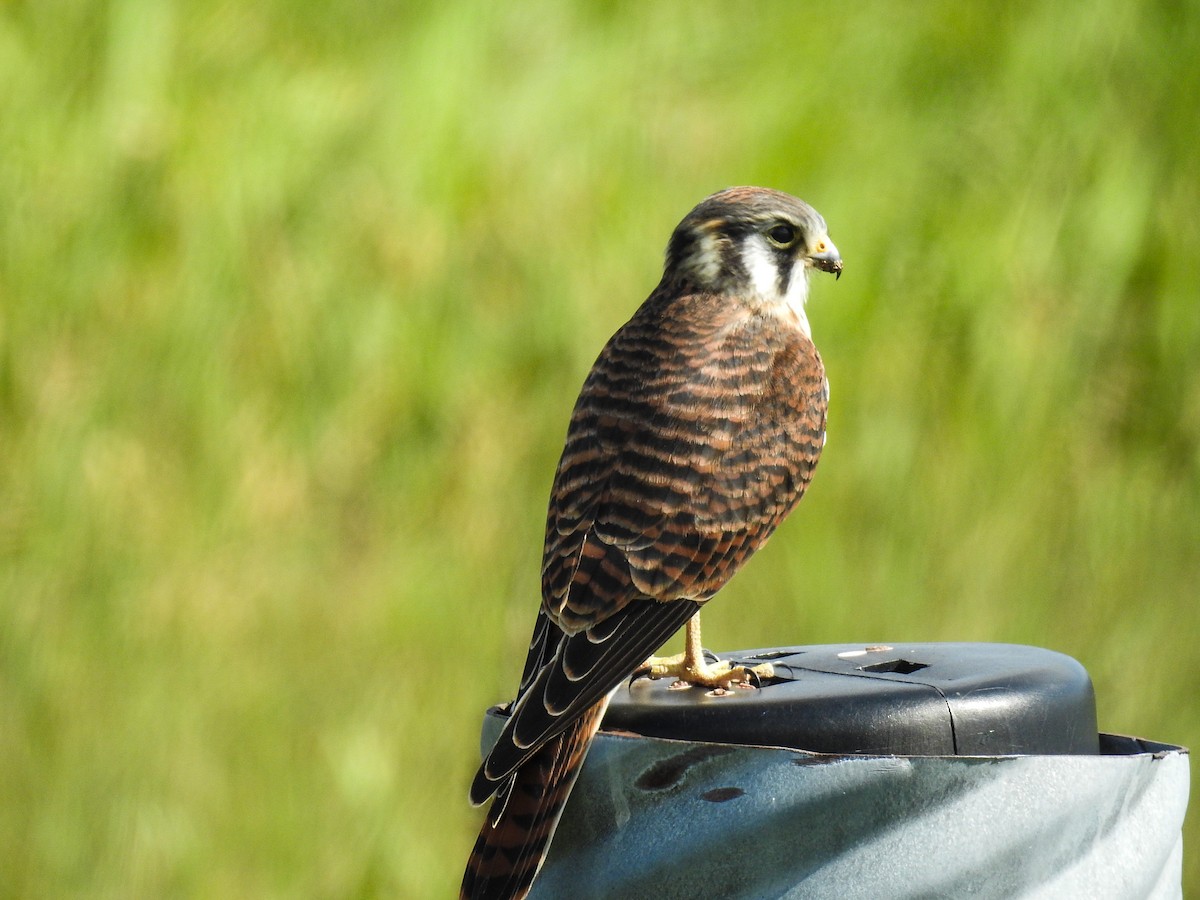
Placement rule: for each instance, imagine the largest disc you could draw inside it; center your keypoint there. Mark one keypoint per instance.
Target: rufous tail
(515, 836)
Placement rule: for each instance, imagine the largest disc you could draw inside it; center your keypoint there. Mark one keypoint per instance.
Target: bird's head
(752, 242)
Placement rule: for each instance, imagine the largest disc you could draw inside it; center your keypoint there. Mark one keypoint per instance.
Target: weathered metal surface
(660, 819)
(656, 818)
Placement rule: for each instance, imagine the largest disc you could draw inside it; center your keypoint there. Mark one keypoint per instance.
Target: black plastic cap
(902, 700)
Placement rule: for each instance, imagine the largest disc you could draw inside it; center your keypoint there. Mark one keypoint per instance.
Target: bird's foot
(721, 676)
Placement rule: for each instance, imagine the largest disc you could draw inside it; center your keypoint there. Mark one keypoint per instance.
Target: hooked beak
(825, 257)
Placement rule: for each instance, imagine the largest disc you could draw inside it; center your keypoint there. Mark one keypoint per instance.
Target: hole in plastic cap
(899, 666)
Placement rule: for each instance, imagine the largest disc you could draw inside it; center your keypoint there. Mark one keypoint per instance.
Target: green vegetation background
(295, 300)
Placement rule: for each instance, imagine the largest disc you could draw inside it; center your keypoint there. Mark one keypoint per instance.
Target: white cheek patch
(761, 265)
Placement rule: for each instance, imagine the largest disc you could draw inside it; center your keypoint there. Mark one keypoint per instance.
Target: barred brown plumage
(695, 434)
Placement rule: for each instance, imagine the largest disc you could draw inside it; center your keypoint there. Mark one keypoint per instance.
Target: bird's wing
(578, 674)
(694, 435)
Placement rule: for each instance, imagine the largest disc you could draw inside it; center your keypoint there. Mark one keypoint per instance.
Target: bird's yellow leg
(690, 667)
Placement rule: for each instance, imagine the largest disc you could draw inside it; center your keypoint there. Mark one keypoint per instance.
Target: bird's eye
(782, 234)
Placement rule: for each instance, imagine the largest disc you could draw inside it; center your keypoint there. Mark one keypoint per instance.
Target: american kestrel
(695, 434)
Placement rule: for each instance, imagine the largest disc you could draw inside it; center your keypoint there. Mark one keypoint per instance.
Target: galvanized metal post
(917, 770)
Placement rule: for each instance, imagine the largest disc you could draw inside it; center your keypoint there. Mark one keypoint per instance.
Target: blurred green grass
(295, 300)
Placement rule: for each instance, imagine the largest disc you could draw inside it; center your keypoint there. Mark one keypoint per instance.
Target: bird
(696, 432)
